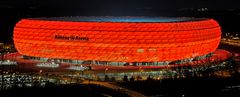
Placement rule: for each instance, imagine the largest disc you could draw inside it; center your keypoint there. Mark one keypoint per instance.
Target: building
(117, 41)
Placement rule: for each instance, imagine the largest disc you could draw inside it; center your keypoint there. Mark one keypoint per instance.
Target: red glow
(115, 41)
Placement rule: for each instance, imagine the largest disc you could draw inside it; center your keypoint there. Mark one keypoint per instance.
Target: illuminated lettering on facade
(78, 38)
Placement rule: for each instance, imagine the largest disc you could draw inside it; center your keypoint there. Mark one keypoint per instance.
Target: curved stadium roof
(121, 19)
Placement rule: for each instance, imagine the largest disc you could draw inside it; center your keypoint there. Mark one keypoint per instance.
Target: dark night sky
(160, 4)
(110, 7)
(12, 11)
(118, 6)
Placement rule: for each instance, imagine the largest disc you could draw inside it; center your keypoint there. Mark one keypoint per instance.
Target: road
(231, 42)
(115, 87)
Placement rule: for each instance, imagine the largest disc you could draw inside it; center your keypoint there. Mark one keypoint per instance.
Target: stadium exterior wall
(116, 41)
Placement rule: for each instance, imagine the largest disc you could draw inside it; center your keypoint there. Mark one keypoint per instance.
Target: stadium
(113, 43)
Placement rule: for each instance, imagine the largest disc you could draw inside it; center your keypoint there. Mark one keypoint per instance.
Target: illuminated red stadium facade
(118, 40)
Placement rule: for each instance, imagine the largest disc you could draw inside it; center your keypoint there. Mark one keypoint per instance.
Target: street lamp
(40, 71)
(106, 69)
(40, 78)
(140, 69)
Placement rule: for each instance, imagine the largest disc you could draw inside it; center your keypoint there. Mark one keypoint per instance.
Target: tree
(106, 78)
(113, 79)
(149, 78)
(132, 79)
(125, 78)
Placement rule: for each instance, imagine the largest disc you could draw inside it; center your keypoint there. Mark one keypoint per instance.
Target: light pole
(40, 77)
(106, 69)
(140, 70)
